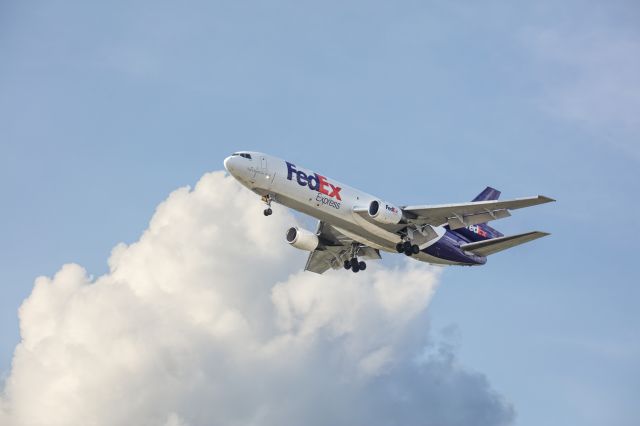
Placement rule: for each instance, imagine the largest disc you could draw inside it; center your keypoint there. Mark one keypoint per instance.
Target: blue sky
(107, 107)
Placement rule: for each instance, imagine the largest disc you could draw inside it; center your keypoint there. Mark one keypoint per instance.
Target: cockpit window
(241, 154)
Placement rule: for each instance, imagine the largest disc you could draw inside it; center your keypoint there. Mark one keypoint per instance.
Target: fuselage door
(266, 175)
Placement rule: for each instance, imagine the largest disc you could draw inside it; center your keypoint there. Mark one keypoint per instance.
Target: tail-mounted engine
(385, 213)
(302, 239)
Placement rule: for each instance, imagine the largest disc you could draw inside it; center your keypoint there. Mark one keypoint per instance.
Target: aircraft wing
(494, 245)
(466, 214)
(334, 249)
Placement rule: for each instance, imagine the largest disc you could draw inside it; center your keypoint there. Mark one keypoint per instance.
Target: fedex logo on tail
(315, 182)
(478, 230)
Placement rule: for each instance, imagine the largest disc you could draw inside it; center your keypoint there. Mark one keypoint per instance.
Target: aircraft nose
(228, 164)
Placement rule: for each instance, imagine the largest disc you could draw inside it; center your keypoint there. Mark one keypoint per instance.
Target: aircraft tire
(408, 252)
(268, 212)
(399, 247)
(407, 246)
(347, 264)
(415, 249)
(355, 268)
(362, 266)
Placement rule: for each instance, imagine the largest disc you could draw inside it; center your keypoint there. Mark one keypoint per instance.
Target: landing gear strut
(267, 199)
(354, 264)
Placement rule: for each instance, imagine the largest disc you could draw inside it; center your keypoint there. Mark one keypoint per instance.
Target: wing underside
(334, 249)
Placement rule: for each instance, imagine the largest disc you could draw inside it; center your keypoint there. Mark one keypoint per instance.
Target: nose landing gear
(267, 199)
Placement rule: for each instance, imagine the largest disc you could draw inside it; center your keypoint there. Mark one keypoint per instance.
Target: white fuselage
(308, 192)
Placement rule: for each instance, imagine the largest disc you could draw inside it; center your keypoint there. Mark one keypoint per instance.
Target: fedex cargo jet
(354, 226)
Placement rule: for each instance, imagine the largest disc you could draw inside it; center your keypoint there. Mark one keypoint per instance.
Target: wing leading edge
(473, 213)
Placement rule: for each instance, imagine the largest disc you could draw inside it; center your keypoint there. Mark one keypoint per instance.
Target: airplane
(355, 226)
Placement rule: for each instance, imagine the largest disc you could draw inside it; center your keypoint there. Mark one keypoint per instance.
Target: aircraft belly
(344, 225)
(303, 203)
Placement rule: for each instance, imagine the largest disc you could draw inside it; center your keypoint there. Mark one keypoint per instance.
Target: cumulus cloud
(207, 319)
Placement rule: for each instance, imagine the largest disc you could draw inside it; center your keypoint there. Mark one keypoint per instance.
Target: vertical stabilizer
(489, 194)
(482, 231)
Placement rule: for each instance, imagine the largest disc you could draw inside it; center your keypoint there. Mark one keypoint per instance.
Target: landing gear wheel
(347, 264)
(399, 247)
(355, 266)
(362, 266)
(407, 248)
(267, 199)
(415, 249)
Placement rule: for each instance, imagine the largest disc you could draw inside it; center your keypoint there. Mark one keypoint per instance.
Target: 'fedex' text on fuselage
(315, 182)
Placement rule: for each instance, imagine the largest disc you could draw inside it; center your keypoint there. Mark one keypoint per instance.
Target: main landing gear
(355, 265)
(267, 199)
(407, 248)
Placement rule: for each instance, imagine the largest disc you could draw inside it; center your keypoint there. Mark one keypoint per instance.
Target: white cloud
(207, 319)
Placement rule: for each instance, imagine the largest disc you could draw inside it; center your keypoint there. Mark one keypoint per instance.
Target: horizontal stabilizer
(494, 245)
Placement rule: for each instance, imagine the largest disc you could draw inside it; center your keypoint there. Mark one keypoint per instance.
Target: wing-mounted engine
(385, 213)
(302, 239)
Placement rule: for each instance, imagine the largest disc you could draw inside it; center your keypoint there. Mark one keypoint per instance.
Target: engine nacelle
(302, 239)
(385, 213)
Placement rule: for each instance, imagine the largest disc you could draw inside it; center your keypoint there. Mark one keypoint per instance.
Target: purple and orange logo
(478, 230)
(315, 182)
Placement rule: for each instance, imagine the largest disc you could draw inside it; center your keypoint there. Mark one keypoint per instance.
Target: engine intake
(302, 239)
(385, 213)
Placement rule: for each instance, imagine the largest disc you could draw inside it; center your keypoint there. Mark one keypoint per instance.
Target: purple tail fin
(482, 231)
(488, 194)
